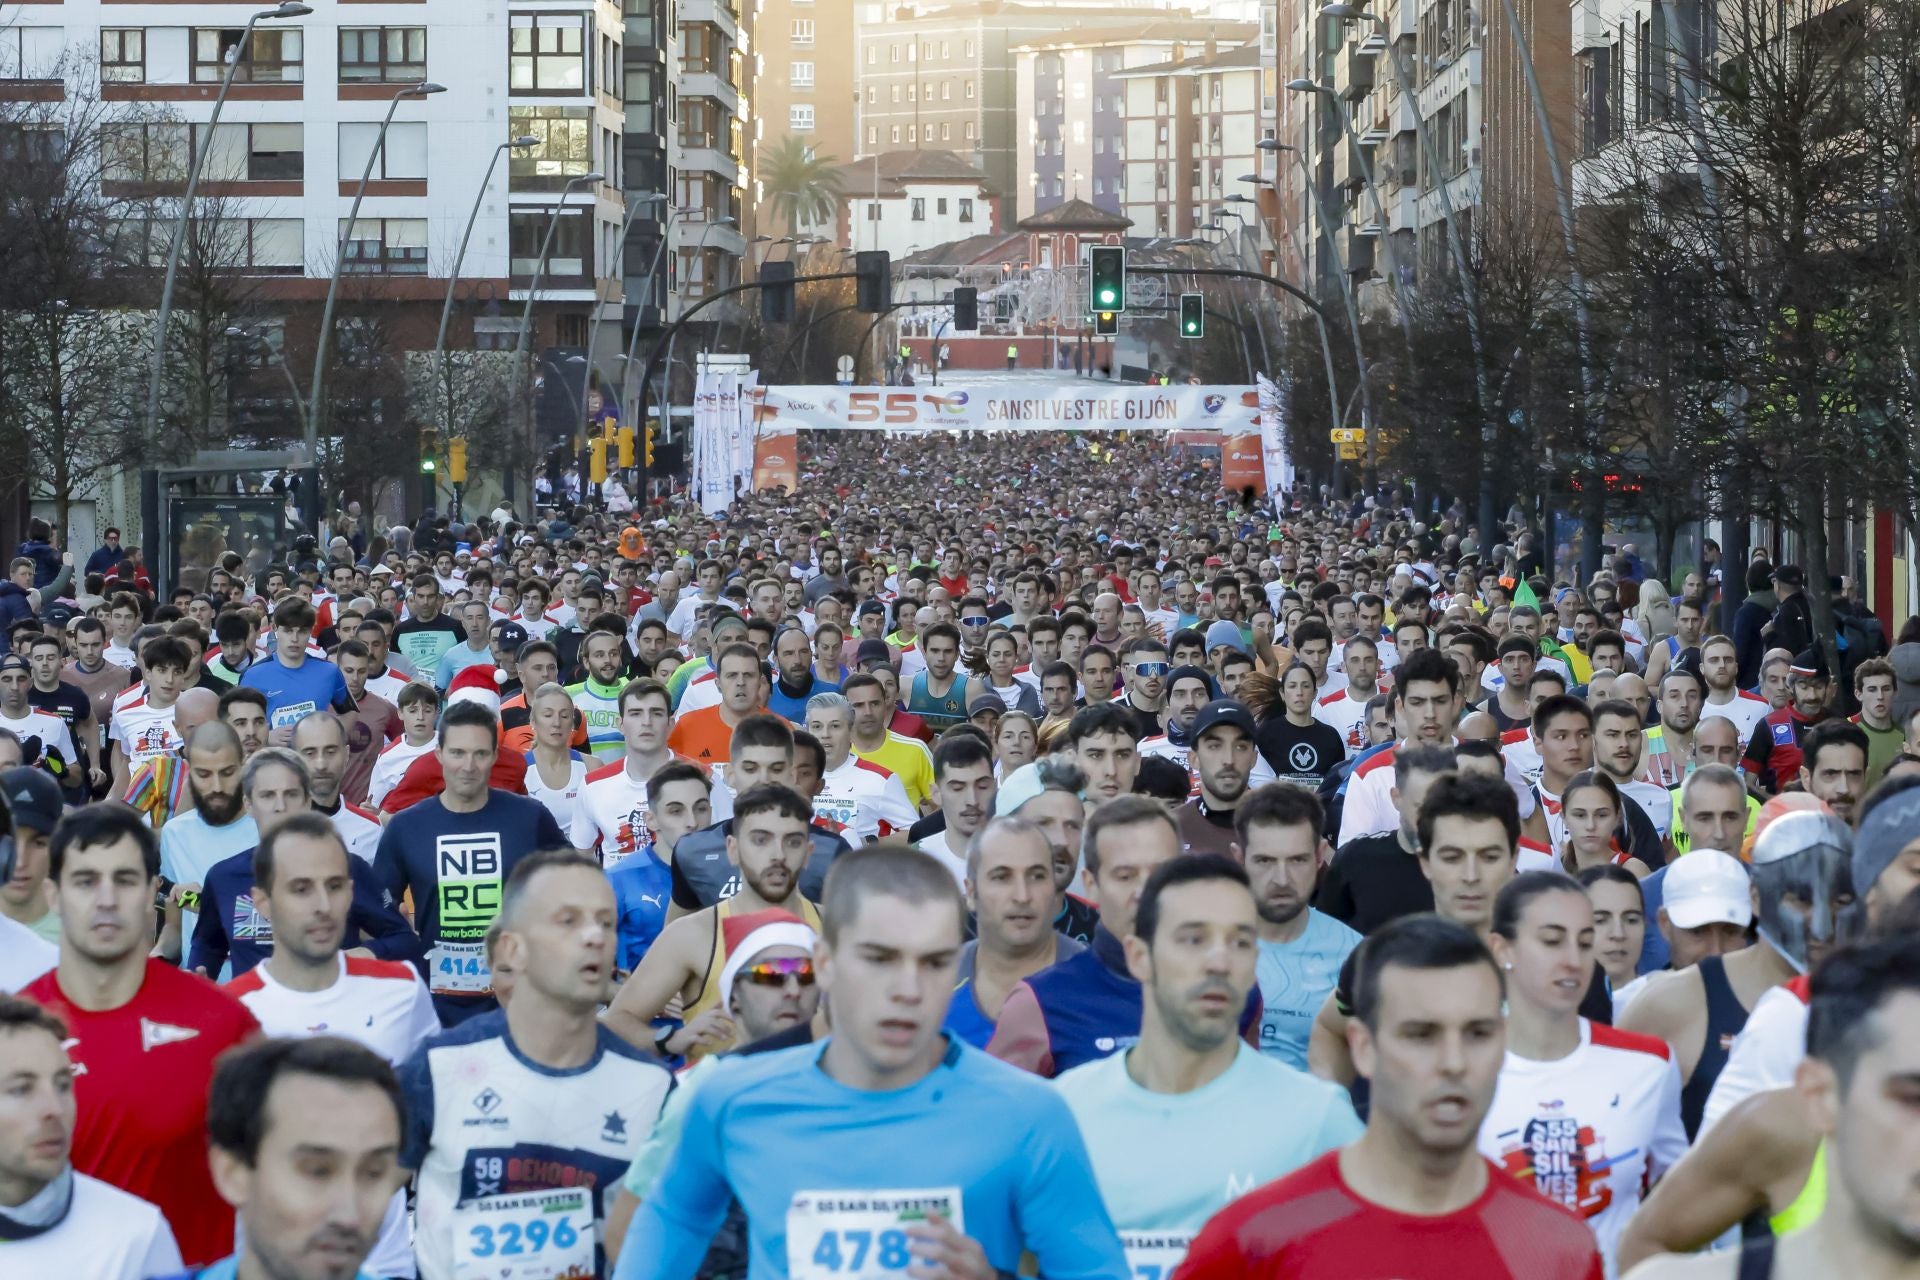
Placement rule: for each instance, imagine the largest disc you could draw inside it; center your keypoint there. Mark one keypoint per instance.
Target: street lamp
(1469, 292)
(1394, 278)
(1340, 272)
(426, 88)
(646, 292)
(600, 304)
(453, 276)
(533, 287)
(286, 9)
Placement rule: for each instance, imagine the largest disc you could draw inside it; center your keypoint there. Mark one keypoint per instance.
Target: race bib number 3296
(861, 1235)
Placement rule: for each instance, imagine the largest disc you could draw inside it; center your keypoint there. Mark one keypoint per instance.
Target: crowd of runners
(1004, 856)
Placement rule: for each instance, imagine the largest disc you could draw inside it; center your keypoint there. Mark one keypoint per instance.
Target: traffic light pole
(667, 335)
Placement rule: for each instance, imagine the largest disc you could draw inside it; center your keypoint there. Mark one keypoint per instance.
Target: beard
(218, 808)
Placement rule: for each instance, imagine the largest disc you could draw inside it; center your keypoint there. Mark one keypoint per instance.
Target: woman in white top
(1587, 1114)
(1015, 742)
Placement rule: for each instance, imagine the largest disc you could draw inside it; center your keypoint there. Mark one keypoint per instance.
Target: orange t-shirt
(702, 736)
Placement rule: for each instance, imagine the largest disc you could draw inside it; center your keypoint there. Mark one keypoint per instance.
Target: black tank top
(1725, 1016)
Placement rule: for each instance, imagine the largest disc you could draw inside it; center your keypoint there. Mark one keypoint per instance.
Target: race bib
(535, 1235)
(293, 713)
(1153, 1255)
(460, 969)
(860, 1235)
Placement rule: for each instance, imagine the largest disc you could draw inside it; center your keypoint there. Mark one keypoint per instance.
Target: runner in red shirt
(1412, 1198)
(142, 1035)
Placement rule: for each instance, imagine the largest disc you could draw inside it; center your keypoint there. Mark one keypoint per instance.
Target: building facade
(1192, 126)
(908, 201)
(804, 86)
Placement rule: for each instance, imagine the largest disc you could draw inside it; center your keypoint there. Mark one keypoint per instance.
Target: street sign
(1348, 435)
(1353, 452)
(844, 367)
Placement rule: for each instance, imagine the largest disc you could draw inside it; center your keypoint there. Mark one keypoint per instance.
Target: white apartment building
(907, 201)
(300, 123)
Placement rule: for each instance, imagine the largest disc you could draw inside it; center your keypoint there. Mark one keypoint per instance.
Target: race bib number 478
(861, 1235)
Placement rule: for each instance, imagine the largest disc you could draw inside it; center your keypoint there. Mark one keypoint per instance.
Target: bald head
(317, 728)
(211, 738)
(194, 709)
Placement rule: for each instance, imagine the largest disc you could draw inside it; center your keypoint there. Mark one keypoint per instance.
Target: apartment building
(804, 84)
(1192, 126)
(1068, 99)
(943, 76)
(907, 201)
(295, 136)
(710, 155)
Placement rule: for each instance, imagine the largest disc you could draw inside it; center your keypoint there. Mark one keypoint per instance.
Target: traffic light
(650, 431)
(457, 459)
(966, 309)
(1193, 315)
(874, 288)
(429, 451)
(1108, 278)
(624, 439)
(597, 460)
(776, 292)
(1106, 323)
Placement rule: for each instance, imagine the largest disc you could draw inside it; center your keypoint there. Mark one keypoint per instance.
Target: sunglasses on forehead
(774, 973)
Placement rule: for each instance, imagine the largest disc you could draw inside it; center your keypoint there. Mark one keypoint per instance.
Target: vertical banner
(776, 444)
(709, 433)
(1276, 461)
(1240, 446)
(740, 425)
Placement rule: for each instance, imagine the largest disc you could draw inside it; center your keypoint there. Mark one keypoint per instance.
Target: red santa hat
(745, 937)
(479, 684)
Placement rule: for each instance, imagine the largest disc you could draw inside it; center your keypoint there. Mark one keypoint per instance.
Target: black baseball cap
(1222, 711)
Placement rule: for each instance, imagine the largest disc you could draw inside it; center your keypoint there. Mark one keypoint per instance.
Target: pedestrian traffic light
(597, 460)
(457, 459)
(1109, 278)
(1193, 315)
(624, 439)
(650, 447)
(429, 451)
(966, 309)
(776, 292)
(874, 288)
(1106, 323)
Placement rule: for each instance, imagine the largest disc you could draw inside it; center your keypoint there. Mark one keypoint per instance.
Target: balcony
(724, 17)
(1359, 73)
(713, 160)
(710, 84)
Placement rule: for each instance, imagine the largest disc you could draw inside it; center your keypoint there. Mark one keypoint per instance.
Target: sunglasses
(1152, 670)
(975, 622)
(774, 973)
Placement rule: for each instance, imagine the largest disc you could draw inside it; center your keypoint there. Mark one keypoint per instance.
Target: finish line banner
(1071, 405)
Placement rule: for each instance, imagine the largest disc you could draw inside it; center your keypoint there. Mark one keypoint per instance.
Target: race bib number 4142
(861, 1235)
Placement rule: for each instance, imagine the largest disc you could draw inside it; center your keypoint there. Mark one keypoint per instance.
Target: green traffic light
(427, 466)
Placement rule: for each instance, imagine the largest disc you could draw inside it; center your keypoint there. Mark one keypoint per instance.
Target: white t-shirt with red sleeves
(1745, 710)
(1590, 1131)
(1347, 716)
(359, 830)
(866, 797)
(391, 765)
(611, 814)
(381, 1004)
(143, 731)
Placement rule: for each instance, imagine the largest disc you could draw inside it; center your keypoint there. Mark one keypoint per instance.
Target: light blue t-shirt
(1167, 1162)
(458, 659)
(1295, 978)
(802, 1151)
(189, 848)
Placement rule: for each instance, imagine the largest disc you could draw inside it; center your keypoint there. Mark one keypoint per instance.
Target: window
(803, 31)
(946, 91)
(873, 211)
(547, 53)
(873, 135)
(572, 242)
(403, 157)
(123, 55)
(966, 209)
(873, 95)
(267, 246)
(385, 246)
(913, 133)
(144, 153)
(1099, 146)
(639, 99)
(969, 131)
(913, 93)
(940, 206)
(969, 90)
(946, 131)
(893, 133)
(271, 57)
(945, 49)
(893, 92)
(873, 54)
(800, 75)
(1099, 186)
(800, 118)
(30, 53)
(893, 52)
(252, 152)
(495, 333)
(383, 55)
(918, 211)
(564, 149)
(969, 49)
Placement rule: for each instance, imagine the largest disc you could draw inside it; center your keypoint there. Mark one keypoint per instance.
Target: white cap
(1706, 886)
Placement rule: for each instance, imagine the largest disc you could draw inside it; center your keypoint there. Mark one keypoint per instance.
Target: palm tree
(801, 184)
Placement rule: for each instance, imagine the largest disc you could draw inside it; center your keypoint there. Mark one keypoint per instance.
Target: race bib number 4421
(861, 1235)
